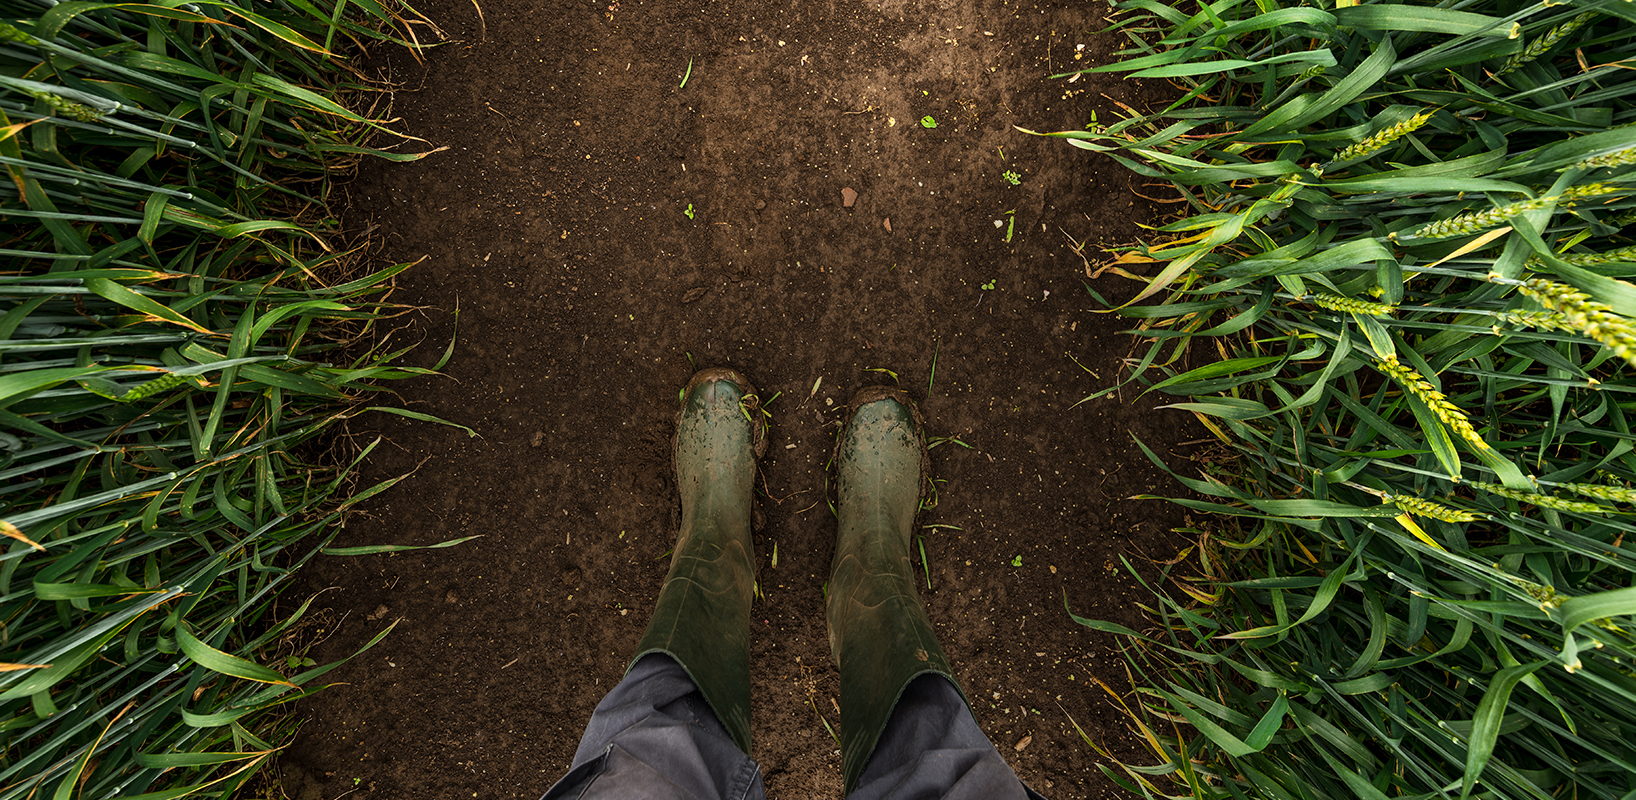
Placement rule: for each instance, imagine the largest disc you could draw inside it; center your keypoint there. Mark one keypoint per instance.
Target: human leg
(906, 731)
(678, 725)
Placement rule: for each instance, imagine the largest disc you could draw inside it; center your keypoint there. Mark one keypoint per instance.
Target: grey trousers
(654, 738)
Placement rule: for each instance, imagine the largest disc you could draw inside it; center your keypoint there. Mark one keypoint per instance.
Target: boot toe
(717, 400)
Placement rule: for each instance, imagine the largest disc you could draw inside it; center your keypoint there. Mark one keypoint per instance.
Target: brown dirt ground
(555, 223)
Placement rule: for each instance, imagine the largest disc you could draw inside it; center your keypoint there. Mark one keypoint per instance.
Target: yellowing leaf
(1413, 528)
(1475, 244)
(10, 530)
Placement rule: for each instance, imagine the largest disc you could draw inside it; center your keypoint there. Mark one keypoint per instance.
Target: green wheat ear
(162, 383)
(1585, 191)
(1617, 158)
(1544, 320)
(1543, 44)
(1444, 409)
(1544, 500)
(1384, 137)
(1426, 508)
(1589, 259)
(1335, 303)
(1617, 494)
(1584, 315)
(67, 108)
(1480, 220)
(11, 33)
(1546, 596)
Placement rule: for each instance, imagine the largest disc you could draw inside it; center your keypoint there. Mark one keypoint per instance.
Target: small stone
(848, 196)
(380, 612)
(450, 597)
(760, 204)
(537, 439)
(886, 222)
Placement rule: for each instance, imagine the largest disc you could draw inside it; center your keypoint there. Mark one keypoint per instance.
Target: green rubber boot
(878, 631)
(703, 614)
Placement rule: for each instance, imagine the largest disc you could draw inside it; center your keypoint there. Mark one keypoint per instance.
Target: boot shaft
(880, 636)
(702, 617)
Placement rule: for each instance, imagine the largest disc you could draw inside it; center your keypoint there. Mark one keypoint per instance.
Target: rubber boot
(879, 634)
(703, 614)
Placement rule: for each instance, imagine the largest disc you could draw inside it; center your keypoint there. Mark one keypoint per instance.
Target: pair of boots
(879, 634)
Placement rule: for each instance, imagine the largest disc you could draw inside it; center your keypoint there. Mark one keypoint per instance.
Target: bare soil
(603, 231)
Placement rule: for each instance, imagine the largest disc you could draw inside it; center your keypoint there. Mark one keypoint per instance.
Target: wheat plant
(1419, 572)
(177, 311)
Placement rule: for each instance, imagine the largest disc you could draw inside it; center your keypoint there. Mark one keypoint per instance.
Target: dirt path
(604, 230)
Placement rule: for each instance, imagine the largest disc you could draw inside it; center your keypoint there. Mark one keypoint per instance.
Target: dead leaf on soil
(380, 612)
(1129, 257)
(694, 294)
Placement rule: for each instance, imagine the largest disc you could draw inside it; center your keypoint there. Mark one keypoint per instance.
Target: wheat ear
(1543, 44)
(1444, 409)
(1617, 158)
(1426, 508)
(1544, 500)
(1596, 320)
(1335, 303)
(1384, 137)
(1479, 220)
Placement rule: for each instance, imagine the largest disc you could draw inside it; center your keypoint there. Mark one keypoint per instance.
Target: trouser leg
(654, 736)
(932, 749)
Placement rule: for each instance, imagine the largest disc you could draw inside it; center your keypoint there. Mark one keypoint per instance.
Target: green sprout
(928, 122)
(1016, 561)
(1012, 177)
(989, 285)
(687, 74)
(689, 211)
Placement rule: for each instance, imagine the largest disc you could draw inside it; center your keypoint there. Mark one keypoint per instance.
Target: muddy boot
(878, 631)
(703, 614)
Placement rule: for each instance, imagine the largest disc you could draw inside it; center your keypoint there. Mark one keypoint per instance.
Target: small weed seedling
(933, 377)
(1016, 561)
(989, 285)
(687, 74)
(689, 211)
(928, 122)
(1012, 177)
